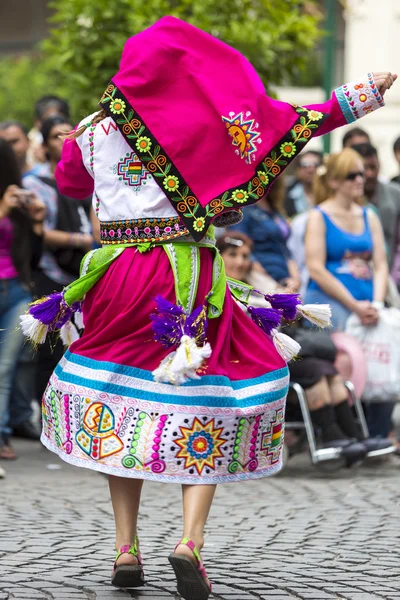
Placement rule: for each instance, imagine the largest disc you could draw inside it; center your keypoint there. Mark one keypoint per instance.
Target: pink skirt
(103, 410)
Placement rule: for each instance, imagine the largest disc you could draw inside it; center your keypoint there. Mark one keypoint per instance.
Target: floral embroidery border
(196, 217)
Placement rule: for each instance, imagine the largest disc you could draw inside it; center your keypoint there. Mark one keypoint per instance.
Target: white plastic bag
(381, 344)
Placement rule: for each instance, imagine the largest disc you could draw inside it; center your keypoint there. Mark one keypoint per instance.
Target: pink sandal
(128, 576)
(191, 579)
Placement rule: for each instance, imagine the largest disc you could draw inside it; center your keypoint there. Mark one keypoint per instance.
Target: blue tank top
(348, 258)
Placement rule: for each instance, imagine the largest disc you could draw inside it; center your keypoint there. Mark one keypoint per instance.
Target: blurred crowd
(330, 231)
(43, 238)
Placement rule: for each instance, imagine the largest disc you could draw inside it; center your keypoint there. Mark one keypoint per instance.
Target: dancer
(186, 136)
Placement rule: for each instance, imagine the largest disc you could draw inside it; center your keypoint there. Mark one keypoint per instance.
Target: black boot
(348, 424)
(333, 437)
(325, 420)
(345, 420)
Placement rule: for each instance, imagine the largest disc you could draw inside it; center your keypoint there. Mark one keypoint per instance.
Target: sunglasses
(233, 241)
(353, 176)
(305, 165)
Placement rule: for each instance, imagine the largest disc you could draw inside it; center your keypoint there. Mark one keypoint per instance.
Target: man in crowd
(396, 150)
(354, 136)
(17, 136)
(386, 199)
(45, 107)
(299, 196)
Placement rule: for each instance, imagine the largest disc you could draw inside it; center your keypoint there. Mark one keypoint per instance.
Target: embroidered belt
(141, 230)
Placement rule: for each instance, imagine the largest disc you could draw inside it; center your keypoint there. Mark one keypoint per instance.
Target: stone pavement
(302, 534)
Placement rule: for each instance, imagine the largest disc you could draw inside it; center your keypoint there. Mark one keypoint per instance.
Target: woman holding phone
(21, 229)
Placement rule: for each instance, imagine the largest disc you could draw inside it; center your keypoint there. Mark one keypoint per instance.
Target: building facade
(23, 23)
(367, 38)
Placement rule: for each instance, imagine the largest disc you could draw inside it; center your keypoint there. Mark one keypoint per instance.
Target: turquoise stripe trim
(219, 380)
(347, 113)
(210, 401)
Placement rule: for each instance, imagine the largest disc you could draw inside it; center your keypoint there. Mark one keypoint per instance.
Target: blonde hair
(78, 132)
(335, 167)
(276, 195)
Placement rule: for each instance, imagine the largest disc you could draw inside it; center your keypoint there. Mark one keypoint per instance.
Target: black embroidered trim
(196, 217)
(141, 230)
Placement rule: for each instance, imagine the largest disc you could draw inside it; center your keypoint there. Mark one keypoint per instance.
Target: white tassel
(69, 333)
(162, 373)
(285, 346)
(182, 364)
(165, 374)
(319, 314)
(78, 319)
(33, 329)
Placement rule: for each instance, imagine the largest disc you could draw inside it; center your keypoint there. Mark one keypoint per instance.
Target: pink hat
(198, 115)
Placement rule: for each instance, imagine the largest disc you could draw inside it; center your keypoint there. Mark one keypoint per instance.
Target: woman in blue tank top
(345, 247)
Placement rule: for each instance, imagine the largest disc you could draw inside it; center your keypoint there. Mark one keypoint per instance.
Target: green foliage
(84, 46)
(24, 79)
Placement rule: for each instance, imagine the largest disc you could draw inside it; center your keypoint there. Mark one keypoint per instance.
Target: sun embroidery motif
(243, 131)
(200, 445)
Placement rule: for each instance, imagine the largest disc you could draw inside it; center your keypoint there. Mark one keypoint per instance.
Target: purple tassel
(287, 303)
(196, 324)
(266, 318)
(167, 307)
(53, 312)
(168, 321)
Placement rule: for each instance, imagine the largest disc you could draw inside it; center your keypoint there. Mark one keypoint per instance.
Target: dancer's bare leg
(197, 500)
(125, 496)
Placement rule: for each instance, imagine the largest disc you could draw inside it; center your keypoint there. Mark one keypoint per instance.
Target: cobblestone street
(301, 534)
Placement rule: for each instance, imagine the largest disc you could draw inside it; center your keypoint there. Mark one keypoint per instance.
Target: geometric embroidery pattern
(147, 433)
(157, 440)
(96, 437)
(244, 457)
(272, 438)
(131, 170)
(200, 445)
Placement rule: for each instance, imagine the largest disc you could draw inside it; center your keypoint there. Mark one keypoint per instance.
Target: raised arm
(354, 100)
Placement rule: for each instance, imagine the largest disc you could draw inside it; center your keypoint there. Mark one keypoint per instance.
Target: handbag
(381, 345)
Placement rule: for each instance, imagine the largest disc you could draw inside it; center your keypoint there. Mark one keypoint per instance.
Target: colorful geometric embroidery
(146, 435)
(141, 230)
(242, 129)
(96, 437)
(132, 171)
(272, 438)
(161, 434)
(91, 160)
(68, 444)
(91, 145)
(200, 445)
(245, 445)
(196, 217)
